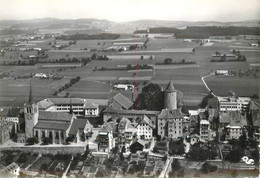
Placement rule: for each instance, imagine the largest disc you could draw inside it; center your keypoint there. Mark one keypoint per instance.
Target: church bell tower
(31, 114)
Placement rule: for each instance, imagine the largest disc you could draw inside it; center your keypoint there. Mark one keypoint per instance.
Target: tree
(151, 98)
(198, 154)
(129, 67)
(205, 167)
(123, 149)
(121, 156)
(94, 56)
(69, 139)
(223, 58)
(46, 141)
(167, 61)
(243, 140)
(235, 155)
(183, 61)
(176, 165)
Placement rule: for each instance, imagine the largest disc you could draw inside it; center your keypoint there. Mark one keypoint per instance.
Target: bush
(168, 61)
(32, 141)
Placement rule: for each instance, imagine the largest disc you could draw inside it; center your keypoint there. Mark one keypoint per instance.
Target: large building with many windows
(169, 123)
(233, 103)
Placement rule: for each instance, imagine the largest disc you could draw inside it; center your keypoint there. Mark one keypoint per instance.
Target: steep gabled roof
(91, 105)
(123, 101)
(145, 120)
(44, 104)
(78, 124)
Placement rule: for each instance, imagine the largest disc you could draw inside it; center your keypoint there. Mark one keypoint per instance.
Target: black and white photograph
(129, 88)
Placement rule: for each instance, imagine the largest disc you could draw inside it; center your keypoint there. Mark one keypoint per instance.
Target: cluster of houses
(63, 119)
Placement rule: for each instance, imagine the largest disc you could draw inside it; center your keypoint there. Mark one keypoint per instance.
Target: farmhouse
(40, 75)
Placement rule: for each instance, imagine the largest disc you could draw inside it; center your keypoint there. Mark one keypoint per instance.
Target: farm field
(98, 84)
(241, 86)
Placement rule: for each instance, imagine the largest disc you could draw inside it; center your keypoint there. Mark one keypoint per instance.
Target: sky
(130, 10)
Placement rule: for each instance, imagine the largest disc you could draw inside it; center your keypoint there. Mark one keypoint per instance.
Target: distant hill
(113, 27)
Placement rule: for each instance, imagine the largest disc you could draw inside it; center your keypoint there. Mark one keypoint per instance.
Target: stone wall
(50, 150)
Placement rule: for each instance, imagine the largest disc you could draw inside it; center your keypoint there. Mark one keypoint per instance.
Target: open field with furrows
(98, 84)
(221, 85)
(16, 92)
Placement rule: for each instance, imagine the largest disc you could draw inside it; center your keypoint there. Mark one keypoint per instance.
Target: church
(57, 126)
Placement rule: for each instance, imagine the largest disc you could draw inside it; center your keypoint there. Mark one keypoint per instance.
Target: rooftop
(78, 124)
(170, 87)
(52, 125)
(170, 113)
(123, 101)
(55, 116)
(133, 112)
(66, 101)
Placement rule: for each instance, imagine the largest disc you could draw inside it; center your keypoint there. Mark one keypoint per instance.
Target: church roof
(170, 87)
(55, 116)
(52, 125)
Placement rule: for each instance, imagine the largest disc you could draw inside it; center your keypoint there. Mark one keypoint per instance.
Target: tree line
(204, 32)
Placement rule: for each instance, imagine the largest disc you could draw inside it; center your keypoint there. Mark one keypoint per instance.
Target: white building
(145, 128)
(12, 169)
(232, 103)
(204, 130)
(80, 107)
(233, 131)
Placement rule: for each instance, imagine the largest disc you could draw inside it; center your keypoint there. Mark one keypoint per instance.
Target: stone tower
(170, 97)
(31, 114)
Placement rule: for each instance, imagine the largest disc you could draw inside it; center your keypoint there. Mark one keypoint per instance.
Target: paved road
(202, 78)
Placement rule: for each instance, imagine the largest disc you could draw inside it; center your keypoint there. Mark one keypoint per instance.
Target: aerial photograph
(129, 88)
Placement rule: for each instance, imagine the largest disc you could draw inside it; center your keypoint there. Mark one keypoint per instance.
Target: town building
(204, 130)
(5, 131)
(13, 170)
(106, 139)
(169, 123)
(110, 113)
(233, 103)
(126, 131)
(144, 128)
(81, 107)
(233, 131)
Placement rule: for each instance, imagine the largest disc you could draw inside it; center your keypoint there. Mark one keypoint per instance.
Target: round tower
(170, 97)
